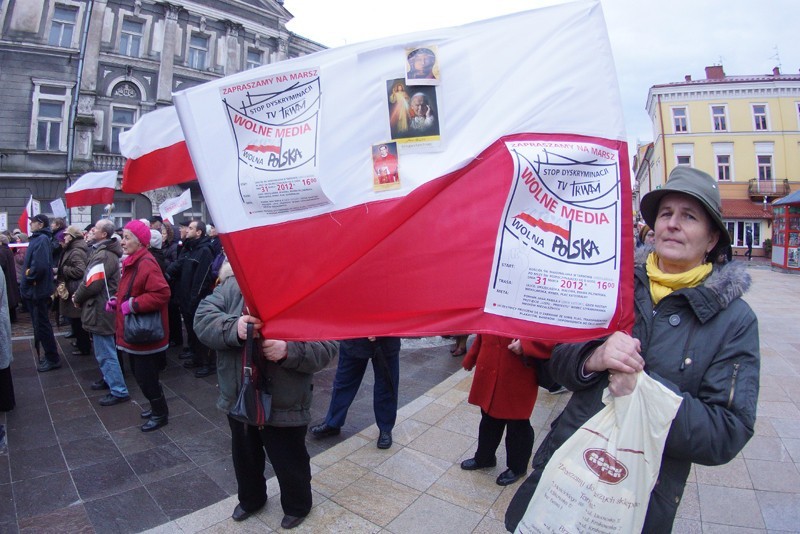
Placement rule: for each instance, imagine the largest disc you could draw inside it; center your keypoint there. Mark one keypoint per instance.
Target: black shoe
(472, 464)
(323, 431)
(385, 439)
(81, 352)
(146, 414)
(186, 354)
(291, 521)
(99, 385)
(73, 343)
(508, 477)
(191, 364)
(71, 335)
(154, 423)
(47, 365)
(111, 400)
(240, 514)
(205, 371)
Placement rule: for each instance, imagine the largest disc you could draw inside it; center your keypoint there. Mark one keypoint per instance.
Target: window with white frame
(719, 118)
(62, 28)
(684, 153)
(122, 212)
(130, 38)
(723, 167)
(253, 58)
(739, 233)
(680, 120)
(122, 119)
(764, 167)
(198, 51)
(50, 112)
(760, 117)
(723, 157)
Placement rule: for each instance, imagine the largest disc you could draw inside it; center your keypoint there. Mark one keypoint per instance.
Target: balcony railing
(769, 188)
(108, 162)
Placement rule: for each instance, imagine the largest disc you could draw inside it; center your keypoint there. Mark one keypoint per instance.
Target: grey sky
(653, 42)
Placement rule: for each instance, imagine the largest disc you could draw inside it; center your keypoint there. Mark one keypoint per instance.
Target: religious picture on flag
(556, 257)
(385, 173)
(275, 124)
(422, 65)
(413, 116)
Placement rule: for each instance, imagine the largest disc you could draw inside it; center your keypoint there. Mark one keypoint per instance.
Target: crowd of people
(693, 333)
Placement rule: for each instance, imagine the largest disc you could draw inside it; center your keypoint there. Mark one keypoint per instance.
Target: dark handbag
(253, 407)
(141, 328)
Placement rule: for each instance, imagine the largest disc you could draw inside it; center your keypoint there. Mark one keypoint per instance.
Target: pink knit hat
(140, 230)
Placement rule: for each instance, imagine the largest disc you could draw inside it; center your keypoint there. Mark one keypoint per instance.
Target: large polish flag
(512, 200)
(156, 152)
(92, 188)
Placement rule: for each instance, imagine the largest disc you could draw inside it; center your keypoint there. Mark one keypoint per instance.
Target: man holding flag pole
(96, 289)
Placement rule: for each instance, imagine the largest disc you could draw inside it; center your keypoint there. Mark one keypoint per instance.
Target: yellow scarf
(662, 284)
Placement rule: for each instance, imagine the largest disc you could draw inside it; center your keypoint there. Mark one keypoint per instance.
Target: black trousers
(202, 354)
(286, 449)
(519, 441)
(42, 329)
(145, 370)
(175, 326)
(82, 340)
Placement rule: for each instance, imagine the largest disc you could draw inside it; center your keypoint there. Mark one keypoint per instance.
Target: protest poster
(283, 158)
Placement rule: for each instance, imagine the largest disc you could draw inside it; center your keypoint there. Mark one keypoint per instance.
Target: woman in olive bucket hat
(693, 333)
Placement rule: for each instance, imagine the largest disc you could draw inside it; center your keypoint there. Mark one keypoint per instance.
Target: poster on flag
(556, 256)
(172, 206)
(336, 257)
(275, 122)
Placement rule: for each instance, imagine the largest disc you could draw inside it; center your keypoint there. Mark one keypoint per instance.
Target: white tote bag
(600, 479)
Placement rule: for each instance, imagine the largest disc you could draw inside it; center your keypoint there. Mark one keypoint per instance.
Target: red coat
(505, 384)
(150, 292)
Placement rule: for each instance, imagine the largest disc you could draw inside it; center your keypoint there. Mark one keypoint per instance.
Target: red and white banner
(97, 272)
(28, 212)
(510, 205)
(92, 188)
(175, 205)
(156, 152)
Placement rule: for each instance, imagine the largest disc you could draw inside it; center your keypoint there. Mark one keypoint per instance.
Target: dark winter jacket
(92, 298)
(190, 274)
(289, 382)
(37, 269)
(9, 266)
(145, 287)
(702, 343)
(71, 267)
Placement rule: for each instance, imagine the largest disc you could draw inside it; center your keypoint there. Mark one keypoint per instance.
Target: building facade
(74, 74)
(743, 130)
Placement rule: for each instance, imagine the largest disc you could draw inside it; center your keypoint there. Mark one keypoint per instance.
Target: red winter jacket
(505, 384)
(142, 280)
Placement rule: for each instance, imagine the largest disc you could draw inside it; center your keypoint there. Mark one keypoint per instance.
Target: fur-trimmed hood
(225, 272)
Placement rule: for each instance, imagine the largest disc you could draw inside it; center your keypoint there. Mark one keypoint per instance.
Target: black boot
(158, 414)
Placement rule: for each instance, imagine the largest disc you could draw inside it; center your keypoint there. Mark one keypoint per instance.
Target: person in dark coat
(71, 268)
(7, 399)
(288, 368)
(505, 387)
(36, 288)
(9, 266)
(143, 289)
(169, 245)
(693, 333)
(191, 277)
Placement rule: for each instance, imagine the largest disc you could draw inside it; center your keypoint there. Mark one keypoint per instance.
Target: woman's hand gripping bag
(600, 479)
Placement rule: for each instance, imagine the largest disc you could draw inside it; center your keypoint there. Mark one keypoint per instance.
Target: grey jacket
(92, 298)
(702, 343)
(289, 382)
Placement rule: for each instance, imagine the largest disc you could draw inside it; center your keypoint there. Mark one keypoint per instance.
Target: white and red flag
(156, 152)
(512, 197)
(24, 221)
(92, 188)
(95, 273)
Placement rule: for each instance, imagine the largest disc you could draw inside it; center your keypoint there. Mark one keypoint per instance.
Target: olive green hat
(696, 184)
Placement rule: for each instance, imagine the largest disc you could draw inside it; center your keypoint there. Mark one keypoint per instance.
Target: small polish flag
(24, 221)
(156, 152)
(95, 273)
(92, 188)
